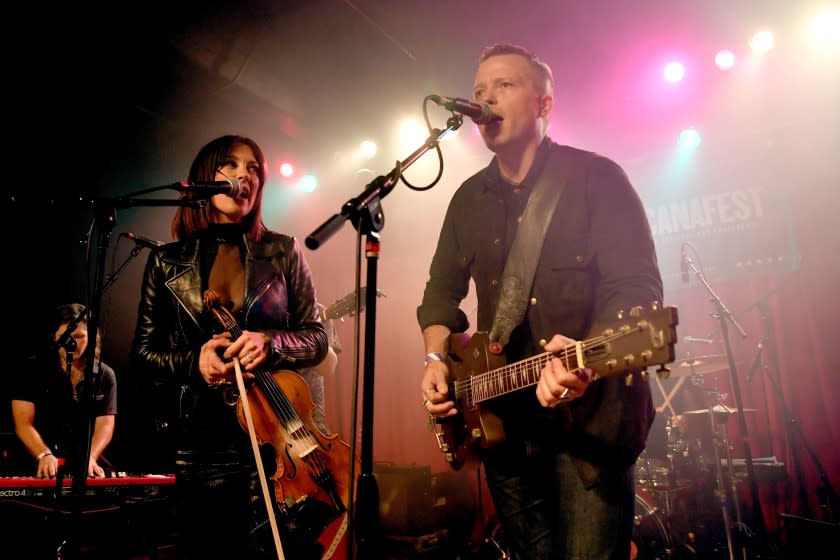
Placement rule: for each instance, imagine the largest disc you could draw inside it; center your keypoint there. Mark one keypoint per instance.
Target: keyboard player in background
(47, 397)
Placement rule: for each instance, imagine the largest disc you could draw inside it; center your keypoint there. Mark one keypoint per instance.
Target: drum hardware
(720, 411)
(665, 488)
(718, 414)
(700, 365)
(651, 538)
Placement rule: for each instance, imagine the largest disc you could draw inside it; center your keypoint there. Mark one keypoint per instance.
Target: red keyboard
(33, 482)
(24, 486)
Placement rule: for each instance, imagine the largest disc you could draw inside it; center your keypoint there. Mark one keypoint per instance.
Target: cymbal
(719, 410)
(699, 365)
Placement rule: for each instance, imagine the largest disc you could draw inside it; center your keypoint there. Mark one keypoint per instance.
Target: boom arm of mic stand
(128, 202)
(67, 336)
(377, 189)
(721, 307)
(353, 209)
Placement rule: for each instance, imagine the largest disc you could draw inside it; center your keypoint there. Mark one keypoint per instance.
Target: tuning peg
(654, 305)
(628, 380)
(620, 314)
(663, 372)
(636, 311)
(645, 375)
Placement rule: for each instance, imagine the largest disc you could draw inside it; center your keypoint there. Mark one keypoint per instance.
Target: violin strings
(284, 409)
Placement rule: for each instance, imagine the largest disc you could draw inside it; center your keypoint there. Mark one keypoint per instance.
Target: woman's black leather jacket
(280, 301)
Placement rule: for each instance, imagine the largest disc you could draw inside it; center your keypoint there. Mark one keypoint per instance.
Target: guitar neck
(512, 377)
(598, 353)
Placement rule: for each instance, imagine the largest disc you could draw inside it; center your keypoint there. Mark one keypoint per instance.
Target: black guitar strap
(527, 243)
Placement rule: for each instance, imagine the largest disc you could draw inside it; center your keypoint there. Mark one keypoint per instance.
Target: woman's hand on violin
(216, 359)
(211, 364)
(251, 348)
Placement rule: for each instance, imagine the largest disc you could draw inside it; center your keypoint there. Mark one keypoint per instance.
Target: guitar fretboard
(513, 377)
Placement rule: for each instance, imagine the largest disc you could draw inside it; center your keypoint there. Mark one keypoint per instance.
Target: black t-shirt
(59, 408)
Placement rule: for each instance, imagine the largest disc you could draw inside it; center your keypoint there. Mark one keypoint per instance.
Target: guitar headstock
(347, 305)
(635, 341)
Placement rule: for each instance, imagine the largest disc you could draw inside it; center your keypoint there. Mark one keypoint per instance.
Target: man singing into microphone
(562, 481)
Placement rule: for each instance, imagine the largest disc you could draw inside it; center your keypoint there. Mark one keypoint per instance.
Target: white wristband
(432, 357)
(43, 454)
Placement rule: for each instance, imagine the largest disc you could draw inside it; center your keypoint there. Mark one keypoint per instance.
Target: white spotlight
(762, 41)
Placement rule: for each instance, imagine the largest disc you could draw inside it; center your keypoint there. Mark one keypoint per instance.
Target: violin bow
(269, 503)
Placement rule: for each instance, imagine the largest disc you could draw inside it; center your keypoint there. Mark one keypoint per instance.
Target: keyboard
(116, 517)
(30, 486)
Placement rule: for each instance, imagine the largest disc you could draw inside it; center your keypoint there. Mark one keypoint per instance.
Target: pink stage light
(674, 72)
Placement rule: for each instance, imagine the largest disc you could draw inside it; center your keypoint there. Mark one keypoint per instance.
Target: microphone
(142, 241)
(479, 112)
(756, 361)
(230, 186)
(66, 339)
(684, 265)
(693, 340)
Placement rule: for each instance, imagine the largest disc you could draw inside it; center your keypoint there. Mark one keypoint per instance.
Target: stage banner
(728, 234)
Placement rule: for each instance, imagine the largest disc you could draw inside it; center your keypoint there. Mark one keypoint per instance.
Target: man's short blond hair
(542, 70)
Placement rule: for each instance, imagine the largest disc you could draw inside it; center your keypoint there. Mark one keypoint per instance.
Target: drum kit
(683, 495)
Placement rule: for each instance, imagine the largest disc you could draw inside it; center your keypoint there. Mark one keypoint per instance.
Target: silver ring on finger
(566, 394)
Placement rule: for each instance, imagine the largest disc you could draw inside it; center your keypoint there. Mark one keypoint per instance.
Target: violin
(311, 479)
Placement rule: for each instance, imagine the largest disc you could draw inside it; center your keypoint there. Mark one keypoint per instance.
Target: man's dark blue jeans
(545, 511)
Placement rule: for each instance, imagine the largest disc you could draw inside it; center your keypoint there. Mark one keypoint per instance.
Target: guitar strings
(479, 388)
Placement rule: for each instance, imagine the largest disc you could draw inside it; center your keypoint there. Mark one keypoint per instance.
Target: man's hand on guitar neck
(557, 385)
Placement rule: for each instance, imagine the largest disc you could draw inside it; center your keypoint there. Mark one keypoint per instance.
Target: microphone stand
(105, 219)
(69, 345)
(723, 315)
(366, 214)
(827, 497)
(66, 339)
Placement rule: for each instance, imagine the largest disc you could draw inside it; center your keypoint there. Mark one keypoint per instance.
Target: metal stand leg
(720, 488)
